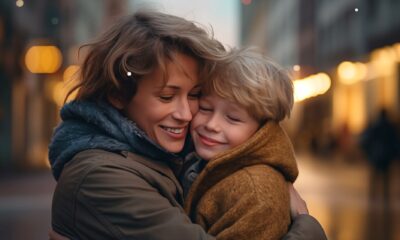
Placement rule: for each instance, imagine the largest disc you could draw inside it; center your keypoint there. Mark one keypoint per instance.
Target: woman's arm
(304, 226)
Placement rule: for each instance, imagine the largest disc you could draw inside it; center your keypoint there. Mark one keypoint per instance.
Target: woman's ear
(116, 102)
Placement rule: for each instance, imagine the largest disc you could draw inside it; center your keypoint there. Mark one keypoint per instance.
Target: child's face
(220, 125)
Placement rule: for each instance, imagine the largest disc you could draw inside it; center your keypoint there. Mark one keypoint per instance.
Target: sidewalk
(337, 194)
(25, 205)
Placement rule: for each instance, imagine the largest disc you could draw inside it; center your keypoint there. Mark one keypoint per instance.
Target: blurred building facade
(29, 102)
(354, 42)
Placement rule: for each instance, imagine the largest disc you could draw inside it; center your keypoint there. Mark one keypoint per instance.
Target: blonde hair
(254, 82)
(139, 44)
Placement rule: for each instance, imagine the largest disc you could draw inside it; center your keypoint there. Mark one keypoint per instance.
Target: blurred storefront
(39, 42)
(354, 48)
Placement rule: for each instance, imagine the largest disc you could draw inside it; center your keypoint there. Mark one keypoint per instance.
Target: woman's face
(163, 108)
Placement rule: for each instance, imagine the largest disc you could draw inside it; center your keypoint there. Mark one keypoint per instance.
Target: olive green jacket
(104, 195)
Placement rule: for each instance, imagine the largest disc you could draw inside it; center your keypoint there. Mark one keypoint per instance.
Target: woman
(118, 151)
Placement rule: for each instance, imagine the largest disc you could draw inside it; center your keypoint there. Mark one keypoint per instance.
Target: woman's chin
(173, 147)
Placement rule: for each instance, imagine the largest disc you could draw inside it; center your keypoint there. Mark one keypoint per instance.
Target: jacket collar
(269, 145)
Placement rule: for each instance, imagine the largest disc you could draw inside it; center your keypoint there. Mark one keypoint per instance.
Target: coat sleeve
(128, 207)
(251, 204)
(305, 227)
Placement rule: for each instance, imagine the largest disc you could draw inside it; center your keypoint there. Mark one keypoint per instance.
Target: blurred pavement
(25, 203)
(336, 193)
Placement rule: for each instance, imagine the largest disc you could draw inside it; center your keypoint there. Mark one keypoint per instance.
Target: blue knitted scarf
(91, 125)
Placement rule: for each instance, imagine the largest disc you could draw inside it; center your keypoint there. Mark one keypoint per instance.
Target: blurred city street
(343, 57)
(336, 193)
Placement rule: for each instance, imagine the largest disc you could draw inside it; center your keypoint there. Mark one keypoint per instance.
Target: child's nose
(213, 124)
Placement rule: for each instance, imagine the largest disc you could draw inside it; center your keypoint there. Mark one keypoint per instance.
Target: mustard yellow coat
(242, 193)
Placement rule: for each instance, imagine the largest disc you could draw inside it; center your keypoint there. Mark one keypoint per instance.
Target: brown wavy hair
(139, 44)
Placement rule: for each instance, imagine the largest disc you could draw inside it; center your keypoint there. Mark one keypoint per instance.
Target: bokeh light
(43, 59)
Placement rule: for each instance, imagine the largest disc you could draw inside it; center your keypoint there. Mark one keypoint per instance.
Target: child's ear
(116, 102)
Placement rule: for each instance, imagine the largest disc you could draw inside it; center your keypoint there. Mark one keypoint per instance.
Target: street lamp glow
(347, 72)
(43, 59)
(350, 73)
(311, 86)
(19, 3)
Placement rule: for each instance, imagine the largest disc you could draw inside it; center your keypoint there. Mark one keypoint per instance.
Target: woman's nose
(183, 111)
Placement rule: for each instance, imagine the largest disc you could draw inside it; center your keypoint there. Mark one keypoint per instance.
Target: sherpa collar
(269, 145)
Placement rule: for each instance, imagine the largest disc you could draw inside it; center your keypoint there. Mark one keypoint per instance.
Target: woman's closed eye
(166, 98)
(195, 95)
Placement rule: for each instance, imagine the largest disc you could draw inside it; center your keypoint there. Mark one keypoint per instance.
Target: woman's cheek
(194, 107)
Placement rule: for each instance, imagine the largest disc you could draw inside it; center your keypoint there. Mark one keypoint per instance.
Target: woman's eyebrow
(177, 87)
(159, 88)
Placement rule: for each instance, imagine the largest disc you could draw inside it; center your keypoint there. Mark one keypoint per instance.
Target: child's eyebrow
(235, 107)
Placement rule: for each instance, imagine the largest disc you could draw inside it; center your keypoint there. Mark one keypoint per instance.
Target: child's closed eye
(234, 119)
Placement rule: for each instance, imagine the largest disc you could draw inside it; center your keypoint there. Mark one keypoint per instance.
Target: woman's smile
(175, 132)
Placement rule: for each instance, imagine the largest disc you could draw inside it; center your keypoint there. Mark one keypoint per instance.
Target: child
(242, 187)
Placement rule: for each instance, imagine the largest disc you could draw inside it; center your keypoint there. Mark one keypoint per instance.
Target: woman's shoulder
(105, 166)
(95, 159)
(86, 162)
(99, 172)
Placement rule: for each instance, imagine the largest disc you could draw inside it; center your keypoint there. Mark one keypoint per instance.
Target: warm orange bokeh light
(71, 73)
(350, 73)
(43, 59)
(347, 72)
(311, 86)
